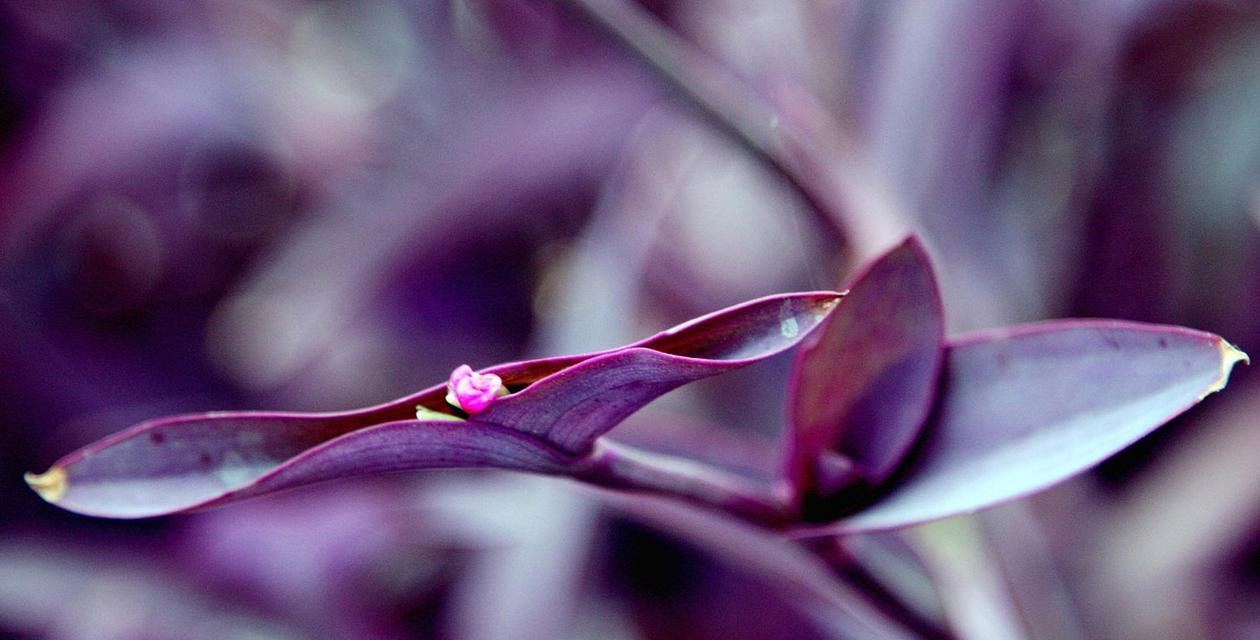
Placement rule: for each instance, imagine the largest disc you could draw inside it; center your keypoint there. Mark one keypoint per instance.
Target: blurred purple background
(315, 206)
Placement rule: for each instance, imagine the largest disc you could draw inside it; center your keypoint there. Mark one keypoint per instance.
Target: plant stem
(617, 466)
(708, 87)
(801, 145)
(835, 187)
(849, 568)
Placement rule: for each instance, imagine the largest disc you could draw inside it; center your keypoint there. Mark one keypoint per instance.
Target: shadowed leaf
(864, 384)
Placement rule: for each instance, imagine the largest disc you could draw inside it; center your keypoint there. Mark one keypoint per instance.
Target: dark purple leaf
(197, 461)
(577, 405)
(562, 405)
(1025, 407)
(580, 398)
(864, 384)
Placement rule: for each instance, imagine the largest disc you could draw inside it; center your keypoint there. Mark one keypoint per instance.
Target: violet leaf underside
(1029, 406)
(216, 460)
(578, 404)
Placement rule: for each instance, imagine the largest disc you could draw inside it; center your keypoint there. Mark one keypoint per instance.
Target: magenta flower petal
(1026, 407)
(181, 463)
(472, 391)
(864, 384)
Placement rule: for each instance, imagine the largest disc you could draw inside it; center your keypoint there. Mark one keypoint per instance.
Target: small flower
(472, 391)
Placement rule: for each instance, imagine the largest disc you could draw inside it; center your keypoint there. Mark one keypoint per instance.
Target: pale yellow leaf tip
(1230, 356)
(833, 301)
(51, 485)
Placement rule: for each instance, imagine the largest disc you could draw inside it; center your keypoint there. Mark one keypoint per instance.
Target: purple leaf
(562, 406)
(569, 402)
(1025, 407)
(864, 384)
(191, 462)
(573, 407)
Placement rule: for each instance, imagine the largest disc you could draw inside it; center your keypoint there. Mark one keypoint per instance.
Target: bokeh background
(221, 204)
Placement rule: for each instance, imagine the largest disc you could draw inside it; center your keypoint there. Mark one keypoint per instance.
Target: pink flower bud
(472, 391)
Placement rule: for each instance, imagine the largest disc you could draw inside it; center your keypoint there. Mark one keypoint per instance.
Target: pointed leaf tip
(750, 331)
(830, 301)
(1230, 356)
(50, 485)
(573, 406)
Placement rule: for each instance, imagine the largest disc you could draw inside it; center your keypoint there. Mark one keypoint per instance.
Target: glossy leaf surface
(1028, 406)
(209, 461)
(573, 407)
(864, 384)
(180, 463)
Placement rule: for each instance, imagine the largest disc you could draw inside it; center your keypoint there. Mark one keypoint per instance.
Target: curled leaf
(198, 461)
(560, 407)
(864, 384)
(583, 401)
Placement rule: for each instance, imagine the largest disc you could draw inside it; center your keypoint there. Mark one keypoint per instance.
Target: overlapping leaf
(560, 407)
(864, 384)
(878, 428)
(1025, 407)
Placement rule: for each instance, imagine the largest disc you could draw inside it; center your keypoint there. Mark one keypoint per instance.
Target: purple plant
(550, 423)
(320, 205)
(890, 423)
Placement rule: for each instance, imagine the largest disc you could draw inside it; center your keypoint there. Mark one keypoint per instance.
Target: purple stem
(742, 114)
(617, 466)
(726, 101)
(880, 596)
